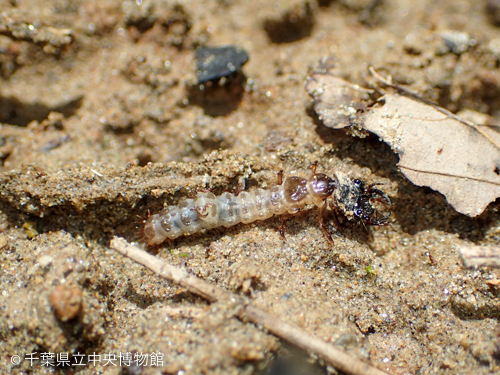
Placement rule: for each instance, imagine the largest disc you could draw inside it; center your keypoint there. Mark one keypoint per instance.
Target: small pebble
(45, 260)
(3, 241)
(346, 340)
(456, 41)
(66, 302)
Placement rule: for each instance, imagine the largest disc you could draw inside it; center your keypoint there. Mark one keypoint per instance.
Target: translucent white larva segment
(262, 204)
(167, 220)
(246, 203)
(188, 220)
(153, 231)
(229, 210)
(277, 201)
(208, 211)
(161, 226)
(177, 220)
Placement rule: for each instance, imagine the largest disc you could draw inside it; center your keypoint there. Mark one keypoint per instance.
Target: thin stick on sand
(338, 358)
(480, 256)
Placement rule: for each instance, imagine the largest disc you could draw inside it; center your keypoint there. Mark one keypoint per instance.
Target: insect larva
(208, 211)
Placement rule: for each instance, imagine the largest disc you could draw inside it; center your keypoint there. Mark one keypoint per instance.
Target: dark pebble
(217, 62)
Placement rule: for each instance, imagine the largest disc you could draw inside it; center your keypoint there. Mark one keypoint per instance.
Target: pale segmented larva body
(208, 211)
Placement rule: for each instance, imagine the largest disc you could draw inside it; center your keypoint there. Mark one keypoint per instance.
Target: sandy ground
(102, 122)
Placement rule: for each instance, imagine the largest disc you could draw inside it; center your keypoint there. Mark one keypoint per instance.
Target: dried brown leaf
(436, 149)
(338, 103)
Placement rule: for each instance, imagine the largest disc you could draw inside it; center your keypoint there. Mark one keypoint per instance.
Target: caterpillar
(207, 211)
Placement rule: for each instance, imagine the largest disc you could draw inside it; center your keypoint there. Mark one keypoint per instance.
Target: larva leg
(279, 177)
(335, 211)
(314, 165)
(284, 218)
(338, 216)
(282, 230)
(321, 219)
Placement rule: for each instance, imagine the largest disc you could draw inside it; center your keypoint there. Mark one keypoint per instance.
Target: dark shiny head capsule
(217, 62)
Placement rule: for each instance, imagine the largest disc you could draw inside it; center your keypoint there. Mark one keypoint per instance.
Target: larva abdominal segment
(208, 211)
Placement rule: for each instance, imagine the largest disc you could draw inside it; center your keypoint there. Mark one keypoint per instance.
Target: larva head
(321, 186)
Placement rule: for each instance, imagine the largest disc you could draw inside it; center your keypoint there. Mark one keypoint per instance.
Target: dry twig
(184, 312)
(480, 256)
(339, 359)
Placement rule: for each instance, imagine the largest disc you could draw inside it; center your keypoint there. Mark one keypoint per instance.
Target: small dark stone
(493, 11)
(217, 62)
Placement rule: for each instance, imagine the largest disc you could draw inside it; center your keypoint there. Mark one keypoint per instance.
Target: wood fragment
(183, 312)
(338, 358)
(480, 256)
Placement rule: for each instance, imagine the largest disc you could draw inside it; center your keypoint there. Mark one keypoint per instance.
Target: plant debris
(480, 256)
(436, 148)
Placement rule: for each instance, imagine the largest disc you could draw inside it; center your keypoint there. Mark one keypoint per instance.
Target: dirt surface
(102, 122)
